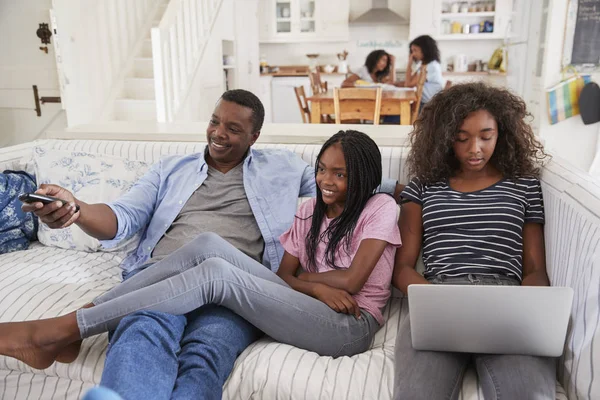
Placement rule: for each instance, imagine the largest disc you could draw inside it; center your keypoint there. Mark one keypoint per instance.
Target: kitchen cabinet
(289, 21)
(437, 17)
(264, 94)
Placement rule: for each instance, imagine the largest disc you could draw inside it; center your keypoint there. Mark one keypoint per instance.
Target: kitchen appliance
(460, 63)
(379, 13)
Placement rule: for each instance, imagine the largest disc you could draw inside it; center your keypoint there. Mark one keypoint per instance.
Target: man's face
(230, 133)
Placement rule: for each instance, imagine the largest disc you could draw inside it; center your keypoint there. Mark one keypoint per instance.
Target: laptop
(525, 320)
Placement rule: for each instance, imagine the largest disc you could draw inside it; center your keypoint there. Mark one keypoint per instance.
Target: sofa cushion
(93, 178)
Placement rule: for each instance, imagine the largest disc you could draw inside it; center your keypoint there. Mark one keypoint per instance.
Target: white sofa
(46, 281)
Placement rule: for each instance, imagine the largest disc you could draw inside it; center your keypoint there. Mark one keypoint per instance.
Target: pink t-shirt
(377, 221)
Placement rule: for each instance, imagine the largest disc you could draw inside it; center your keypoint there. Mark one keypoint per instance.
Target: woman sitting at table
(378, 68)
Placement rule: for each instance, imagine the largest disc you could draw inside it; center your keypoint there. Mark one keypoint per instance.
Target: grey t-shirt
(219, 205)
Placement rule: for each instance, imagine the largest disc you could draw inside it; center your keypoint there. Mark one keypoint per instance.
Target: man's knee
(151, 326)
(216, 326)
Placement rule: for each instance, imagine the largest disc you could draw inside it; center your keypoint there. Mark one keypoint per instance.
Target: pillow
(93, 178)
(17, 228)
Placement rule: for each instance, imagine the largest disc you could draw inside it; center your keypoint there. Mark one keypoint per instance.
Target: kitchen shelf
(469, 14)
(228, 66)
(307, 19)
(284, 20)
(470, 36)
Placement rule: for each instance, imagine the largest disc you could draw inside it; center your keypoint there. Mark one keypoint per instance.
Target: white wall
(208, 84)
(97, 39)
(570, 139)
(23, 64)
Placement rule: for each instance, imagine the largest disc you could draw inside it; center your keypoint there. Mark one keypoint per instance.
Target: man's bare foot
(36, 343)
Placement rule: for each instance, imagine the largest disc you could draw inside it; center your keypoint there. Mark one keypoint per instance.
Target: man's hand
(337, 299)
(59, 214)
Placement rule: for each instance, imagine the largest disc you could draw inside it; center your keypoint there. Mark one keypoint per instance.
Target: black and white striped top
(478, 232)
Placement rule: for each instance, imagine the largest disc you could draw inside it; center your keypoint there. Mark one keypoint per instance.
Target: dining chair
(357, 103)
(302, 103)
(419, 94)
(316, 84)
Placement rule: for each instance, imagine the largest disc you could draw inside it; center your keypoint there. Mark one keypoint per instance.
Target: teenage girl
(474, 208)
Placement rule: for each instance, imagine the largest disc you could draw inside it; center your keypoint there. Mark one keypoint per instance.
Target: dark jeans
(154, 355)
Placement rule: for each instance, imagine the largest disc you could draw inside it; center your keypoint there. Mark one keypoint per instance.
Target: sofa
(51, 278)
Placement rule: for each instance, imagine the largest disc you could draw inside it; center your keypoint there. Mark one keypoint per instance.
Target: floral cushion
(16, 227)
(92, 178)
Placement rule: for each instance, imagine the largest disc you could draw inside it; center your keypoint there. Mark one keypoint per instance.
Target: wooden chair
(357, 103)
(316, 84)
(302, 103)
(419, 93)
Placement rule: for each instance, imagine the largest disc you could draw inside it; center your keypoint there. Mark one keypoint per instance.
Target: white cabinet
(447, 19)
(264, 94)
(283, 98)
(285, 21)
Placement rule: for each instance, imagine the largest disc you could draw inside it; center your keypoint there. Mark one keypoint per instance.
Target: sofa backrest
(572, 204)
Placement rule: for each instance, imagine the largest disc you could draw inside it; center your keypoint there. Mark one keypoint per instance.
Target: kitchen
(468, 34)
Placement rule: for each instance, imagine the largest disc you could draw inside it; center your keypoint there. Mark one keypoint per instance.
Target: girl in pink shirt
(342, 243)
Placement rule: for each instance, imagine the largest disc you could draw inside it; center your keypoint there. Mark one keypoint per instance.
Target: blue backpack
(17, 228)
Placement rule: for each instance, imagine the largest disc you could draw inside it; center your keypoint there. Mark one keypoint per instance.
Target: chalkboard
(586, 40)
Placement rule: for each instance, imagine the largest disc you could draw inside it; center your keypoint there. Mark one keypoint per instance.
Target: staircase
(136, 100)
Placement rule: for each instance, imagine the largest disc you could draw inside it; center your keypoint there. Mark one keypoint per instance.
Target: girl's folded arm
(352, 279)
(411, 231)
(287, 271)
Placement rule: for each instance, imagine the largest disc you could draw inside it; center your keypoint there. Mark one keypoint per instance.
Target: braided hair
(363, 167)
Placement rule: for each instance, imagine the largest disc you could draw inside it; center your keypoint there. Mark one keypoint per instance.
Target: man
(246, 196)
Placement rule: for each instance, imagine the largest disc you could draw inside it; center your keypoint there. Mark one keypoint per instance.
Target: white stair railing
(178, 43)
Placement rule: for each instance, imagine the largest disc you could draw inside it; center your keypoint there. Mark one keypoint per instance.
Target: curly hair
(429, 48)
(517, 152)
(371, 63)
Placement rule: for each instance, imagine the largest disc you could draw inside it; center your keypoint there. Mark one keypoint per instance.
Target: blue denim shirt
(273, 180)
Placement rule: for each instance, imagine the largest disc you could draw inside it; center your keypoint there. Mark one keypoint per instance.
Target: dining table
(393, 102)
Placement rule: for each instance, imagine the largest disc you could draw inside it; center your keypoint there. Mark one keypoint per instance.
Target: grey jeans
(209, 270)
(438, 375)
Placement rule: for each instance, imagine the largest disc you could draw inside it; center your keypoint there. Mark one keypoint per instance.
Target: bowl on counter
(328, 69)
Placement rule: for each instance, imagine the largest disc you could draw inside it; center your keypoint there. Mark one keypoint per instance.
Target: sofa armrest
(18, 157)
(572, 233)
